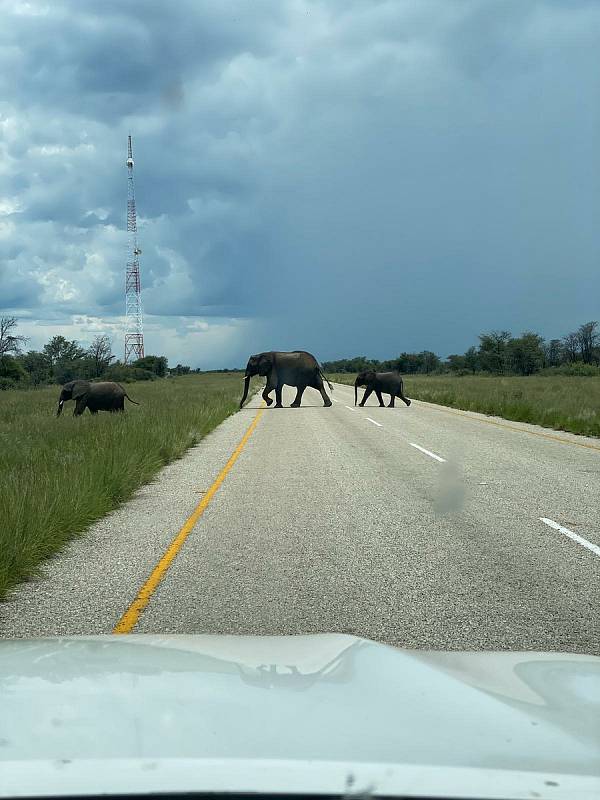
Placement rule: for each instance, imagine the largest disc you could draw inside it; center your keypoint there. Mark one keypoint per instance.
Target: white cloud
(10, 205)
(24, 9)
(57, 289)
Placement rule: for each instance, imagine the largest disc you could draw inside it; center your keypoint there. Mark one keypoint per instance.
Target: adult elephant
(380, 382)
(298, 368)
(104, 396)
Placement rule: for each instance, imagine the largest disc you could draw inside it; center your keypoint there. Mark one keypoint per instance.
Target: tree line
(62, 360)
(498, 353)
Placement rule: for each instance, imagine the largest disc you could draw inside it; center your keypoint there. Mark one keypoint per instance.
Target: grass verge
(59, 475)
(562, 402)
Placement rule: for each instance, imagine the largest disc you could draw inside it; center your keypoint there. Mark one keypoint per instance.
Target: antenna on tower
(134, 331)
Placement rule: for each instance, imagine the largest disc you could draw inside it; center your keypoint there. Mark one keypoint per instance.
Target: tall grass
(562, 402)
(59, 475)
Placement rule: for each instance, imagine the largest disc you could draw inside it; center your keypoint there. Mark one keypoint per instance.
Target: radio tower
(134, 332)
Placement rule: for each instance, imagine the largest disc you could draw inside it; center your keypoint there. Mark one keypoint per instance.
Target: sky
(348, 177)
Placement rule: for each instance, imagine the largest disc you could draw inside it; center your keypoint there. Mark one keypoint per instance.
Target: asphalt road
(333, 519)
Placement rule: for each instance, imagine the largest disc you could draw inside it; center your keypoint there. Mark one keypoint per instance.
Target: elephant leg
(93, 410)
(392, 403)
(298, 398)
(278, 390)
(402, 397)
(265, 395)
(379, 397)
(79, 407)
(320, 387)
(367, 394)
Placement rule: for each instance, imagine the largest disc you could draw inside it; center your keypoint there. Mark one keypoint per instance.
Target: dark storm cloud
(348, 177)
(113, 58)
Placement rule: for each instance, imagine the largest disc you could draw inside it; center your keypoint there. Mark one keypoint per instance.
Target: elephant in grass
(387, 382)
(105, 396)
(298, 368)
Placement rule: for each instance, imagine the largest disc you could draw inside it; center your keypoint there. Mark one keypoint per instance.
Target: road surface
(422, 527)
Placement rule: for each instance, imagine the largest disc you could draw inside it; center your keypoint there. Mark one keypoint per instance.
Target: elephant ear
(265, 364)
(80, 389)
(268, 368)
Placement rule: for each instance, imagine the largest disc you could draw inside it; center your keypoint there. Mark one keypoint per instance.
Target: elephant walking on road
(298, 368)
(387, 382)
(104, 396)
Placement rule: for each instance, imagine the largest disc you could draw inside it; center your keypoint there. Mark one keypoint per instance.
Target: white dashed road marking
(576, 538)
(379, 425)
(349, 408)
(427, 452)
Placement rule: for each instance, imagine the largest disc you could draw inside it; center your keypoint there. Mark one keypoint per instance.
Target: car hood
(312, 714)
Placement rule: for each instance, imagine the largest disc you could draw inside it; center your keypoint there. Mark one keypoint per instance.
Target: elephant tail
(127, 396)
(325, 378)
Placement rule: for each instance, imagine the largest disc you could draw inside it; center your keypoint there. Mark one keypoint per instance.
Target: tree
(407, 363)
(156, 364)
(357, 364)
(457, 363)
(11, 371)
(429, 361)
(36, 366)
(588, 339)
(553, 353)
(83, 368)
(525, 355)
(492, 350)
(9, 342)
(472, 360)
(60, 349)
(570, 347)
(100, 353)
(180, 369)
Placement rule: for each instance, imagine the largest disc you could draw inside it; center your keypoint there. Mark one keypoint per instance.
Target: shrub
(576, 368)
(156, 364)
(125, 374)
(11, 369)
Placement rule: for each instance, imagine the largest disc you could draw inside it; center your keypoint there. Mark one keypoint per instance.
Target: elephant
(389, 382)
(298, 368)
(105, 396)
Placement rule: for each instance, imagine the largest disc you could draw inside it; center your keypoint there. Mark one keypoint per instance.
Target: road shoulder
(86, 588)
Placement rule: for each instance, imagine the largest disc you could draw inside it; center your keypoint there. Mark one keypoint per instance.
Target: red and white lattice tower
(134, 331)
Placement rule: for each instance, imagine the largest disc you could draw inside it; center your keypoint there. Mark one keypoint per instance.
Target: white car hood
(313, 714)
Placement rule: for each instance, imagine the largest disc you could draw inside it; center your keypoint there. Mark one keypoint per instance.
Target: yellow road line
(468, 415)
(130, 618)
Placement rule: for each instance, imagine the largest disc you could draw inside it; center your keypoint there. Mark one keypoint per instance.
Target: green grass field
(59, 475)
(562, 402)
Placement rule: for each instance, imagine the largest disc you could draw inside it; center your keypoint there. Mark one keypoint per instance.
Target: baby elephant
(105, 396)
(378, 382)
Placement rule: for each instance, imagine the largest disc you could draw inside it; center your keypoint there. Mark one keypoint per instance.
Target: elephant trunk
(60, 407)
(246, 387)
(355, 391)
